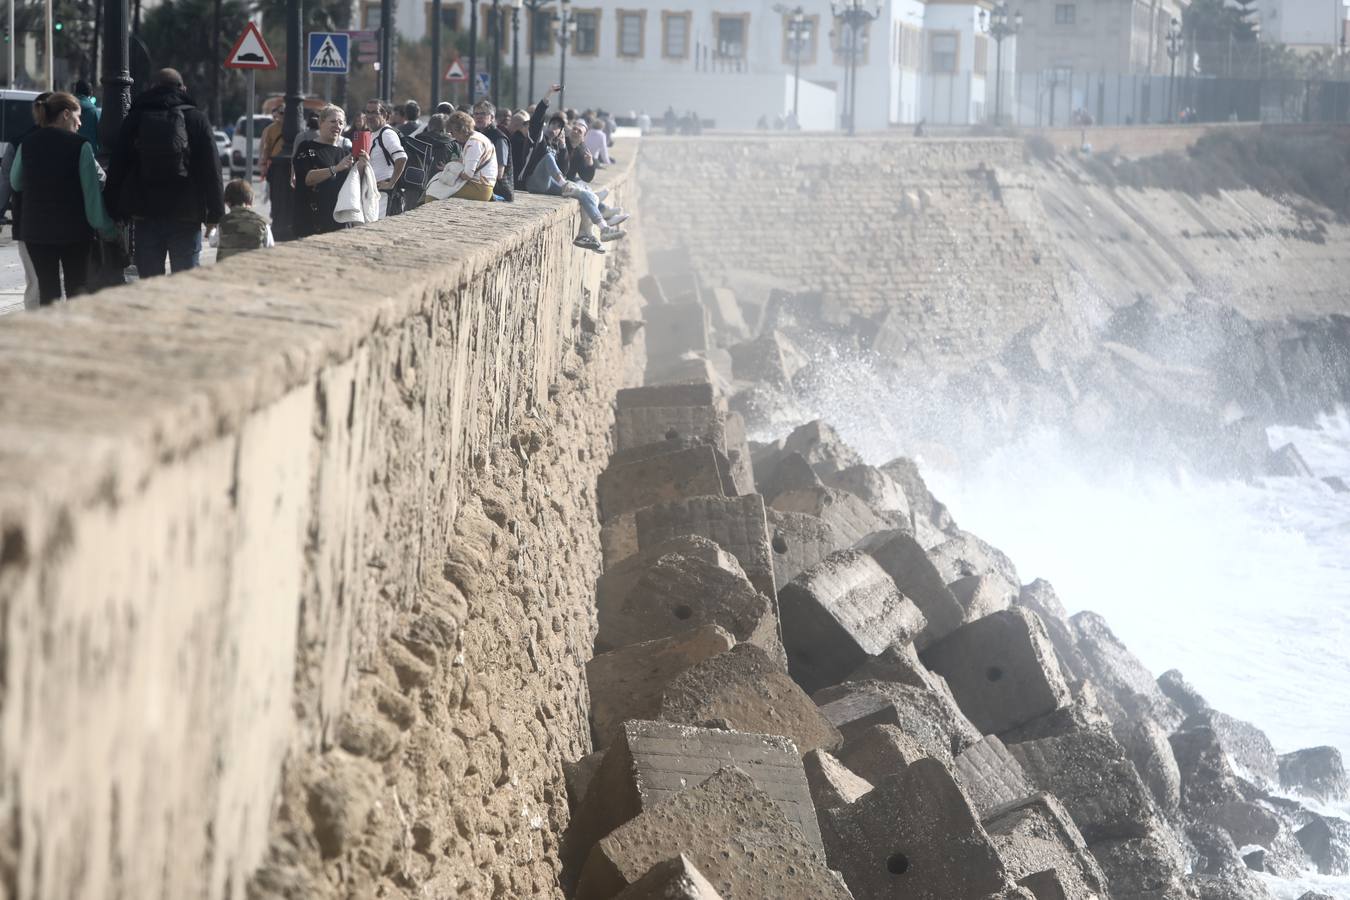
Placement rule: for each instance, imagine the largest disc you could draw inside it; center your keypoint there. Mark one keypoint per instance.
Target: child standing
(241, 228)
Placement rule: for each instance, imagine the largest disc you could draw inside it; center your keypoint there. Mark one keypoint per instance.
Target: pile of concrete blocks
(809, 682)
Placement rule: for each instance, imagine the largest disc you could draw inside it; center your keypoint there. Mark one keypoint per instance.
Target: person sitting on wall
(597, 143)
(544, 132)
(577, 163)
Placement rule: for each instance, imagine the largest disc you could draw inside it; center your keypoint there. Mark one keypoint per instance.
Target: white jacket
(359, 199)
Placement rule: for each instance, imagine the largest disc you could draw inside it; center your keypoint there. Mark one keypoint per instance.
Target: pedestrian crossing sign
(329, 52)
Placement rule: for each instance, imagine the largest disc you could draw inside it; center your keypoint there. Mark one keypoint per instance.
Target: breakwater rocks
(811, 682)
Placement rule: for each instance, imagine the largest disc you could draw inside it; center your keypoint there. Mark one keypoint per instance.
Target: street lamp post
(799, 36)
(495, 66)
(515, 52)
(531, 28)
(116, 74)
(473, 48)
(999, 27)
(856, 15)
(436, 74)
(567, 29)
(1173, 51)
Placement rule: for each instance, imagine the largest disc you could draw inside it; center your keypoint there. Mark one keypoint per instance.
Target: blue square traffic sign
(329, 52)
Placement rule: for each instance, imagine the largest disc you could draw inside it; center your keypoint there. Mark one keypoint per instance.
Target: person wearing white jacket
(479, 174)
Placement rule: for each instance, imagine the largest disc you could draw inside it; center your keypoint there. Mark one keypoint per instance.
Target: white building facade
(733, 62)
(1303, 24)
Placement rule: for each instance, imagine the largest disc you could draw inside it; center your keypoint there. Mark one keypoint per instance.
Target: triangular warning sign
(455, 71)
(327, 56)
(250, 51)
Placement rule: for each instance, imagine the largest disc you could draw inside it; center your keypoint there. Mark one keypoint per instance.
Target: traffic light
(59, 25)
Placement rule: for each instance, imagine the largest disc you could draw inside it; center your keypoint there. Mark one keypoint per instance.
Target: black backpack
(162, 145)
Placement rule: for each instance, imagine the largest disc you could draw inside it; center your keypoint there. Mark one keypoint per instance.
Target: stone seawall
(296, 564)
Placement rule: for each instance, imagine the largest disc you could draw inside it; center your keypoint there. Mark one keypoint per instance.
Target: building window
(731, 32)
(844, 38)
(541, 31)
(981, 54)
(586, 42)
(452, 17)
(812, 25)
(1065, 13)
(370, 16)
(631, 26)
(942, 49)
(675, 35)
(911, 47)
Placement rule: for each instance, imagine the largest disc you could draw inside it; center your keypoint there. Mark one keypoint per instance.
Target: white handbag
(447, 181)
(359, 199)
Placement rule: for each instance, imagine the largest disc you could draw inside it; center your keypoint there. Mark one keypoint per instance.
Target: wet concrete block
(931, 518)
(832, 783)
(1326, 840)
(1142, 868)
(1318, 772)
(1045, 886)
(691, 472)
(769, 359)
(838, 613)
(737, 524)
(1148, 748)
(1287, 462)
(732, 831)
(1246, 822)
(1001, 669)
(925, 715)
(965, 554)
(1091, 775)
(788, 472)
(1244, 742)
(914, 836)
(674, 879)
(899, 664)
(675, 328)
(679, 592)
(822, 447)
(909, 566)
(980, 595)
(874, 487)
(1180, 691)
(725, 313)
(1035, 834)
(737, 448)
(989, 775)
(650, 762)
(1039, 596)
(851, 519)
(799, 541)
(1207, 776)
(627, 683)
(1126, 689)
(744, 690)
(881, 751)
(690, 412)
(613, 586)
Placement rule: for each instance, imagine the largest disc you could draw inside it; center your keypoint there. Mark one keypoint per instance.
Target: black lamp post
(534, 6)
(116, 75)
(386, 51)
(856, 15)
(436, 74)
(495, 67)
(473, 48)
(999, 26)
(567, 28)
(279, 175)
(515, 52)
(1173, 51)
(799, 37)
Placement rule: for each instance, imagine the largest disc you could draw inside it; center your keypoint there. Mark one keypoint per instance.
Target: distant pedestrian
(13, 200)
(165, 176)
(445, 109)
(388, 158)
(443, 147)
(520, 147)
(89, 113)
(321, 167)
(485, 121)
(597, 143)
(63, 199)
(412, 115)
(241, 229)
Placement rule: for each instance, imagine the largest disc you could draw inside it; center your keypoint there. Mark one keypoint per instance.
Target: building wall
(1302, 23)
(1111, 36)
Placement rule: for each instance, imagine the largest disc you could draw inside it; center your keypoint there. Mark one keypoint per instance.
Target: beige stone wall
(296, 565)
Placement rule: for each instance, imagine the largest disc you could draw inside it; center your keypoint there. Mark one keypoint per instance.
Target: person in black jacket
(520, 147)
(165, 175)
(577, 162)
(485, 122)
(542, 138)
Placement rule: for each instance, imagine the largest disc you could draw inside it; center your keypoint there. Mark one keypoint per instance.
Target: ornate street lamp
(495, 67)
(436, 74)
(473, 49)
(116, 74)
(1173, 51)
(515, 52)
(567, 29)
(856, 15)
(1000, 26)
(799, 38)
(534, 6)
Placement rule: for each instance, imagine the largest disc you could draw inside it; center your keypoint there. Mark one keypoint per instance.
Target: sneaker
(588, 242)
(612, 233)
(617, 218)
(601, 194)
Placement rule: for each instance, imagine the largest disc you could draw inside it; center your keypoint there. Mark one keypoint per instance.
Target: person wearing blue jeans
(547, 178)
(157, 238)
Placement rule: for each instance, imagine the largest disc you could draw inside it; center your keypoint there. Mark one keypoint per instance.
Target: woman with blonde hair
(321, 167)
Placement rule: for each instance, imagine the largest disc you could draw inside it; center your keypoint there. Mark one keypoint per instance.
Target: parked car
(239, 146)
(223, 147)
(16, 116)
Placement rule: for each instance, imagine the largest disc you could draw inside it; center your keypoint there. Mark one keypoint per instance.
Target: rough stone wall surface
(296, 561)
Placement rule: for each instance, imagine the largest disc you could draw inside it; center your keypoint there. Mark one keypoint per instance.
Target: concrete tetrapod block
(832, 783)
(798, 542)
(737, 524)
(900, 555)
(691, 472)
(689, 412)
(1244, 742)
(627, 683)
(1207, 776)
(613, 587)
(1125, 688)
(881, 752)
(822, 447)
(1149, 750)
(965, 554)
(927, 716)
(989, 775)
(744, 690)
(850, 518)
(1091, 775)
(1001, 669)
(1143, 868)
(674, 879)
(732, 831)
(783, 473)
(1035, 834)
(1318, 772)
(913, 836)
(677, 593)
(1039, 596)
(980, 595)
(651, 762)
(838, 613)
